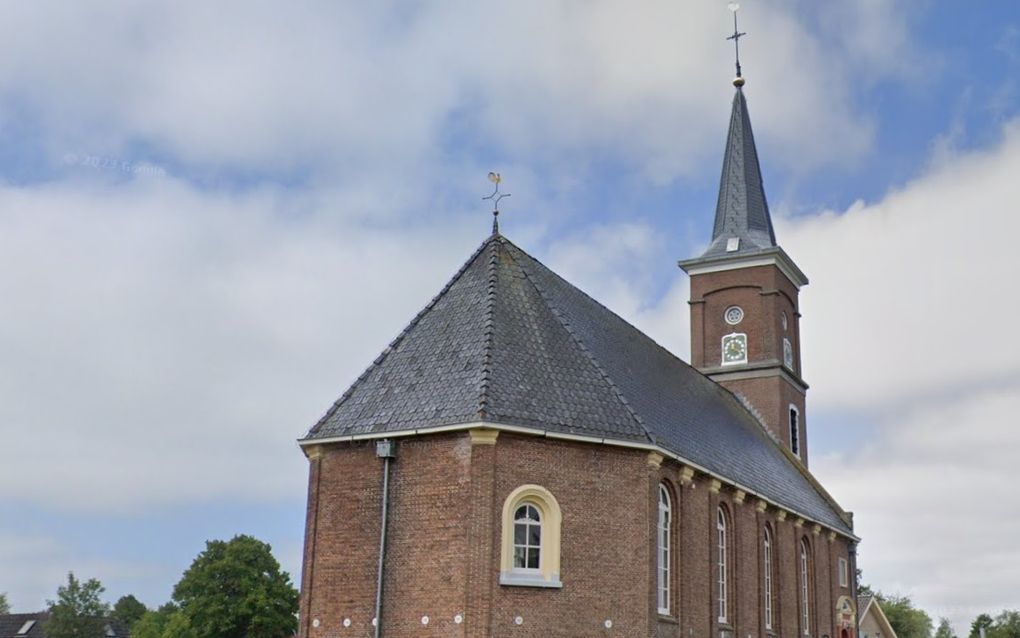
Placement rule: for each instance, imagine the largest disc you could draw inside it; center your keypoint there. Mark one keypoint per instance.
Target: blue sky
(210, 226)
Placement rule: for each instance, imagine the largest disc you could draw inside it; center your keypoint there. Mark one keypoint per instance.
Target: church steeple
(742, 220)
(745, 317)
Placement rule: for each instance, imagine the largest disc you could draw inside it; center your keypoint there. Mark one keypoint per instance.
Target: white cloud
(333, 88)
(913, 290)
(170, 345)
(933, 492)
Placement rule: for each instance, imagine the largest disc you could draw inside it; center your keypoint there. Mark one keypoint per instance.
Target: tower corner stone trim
(655, 460)
(483, 436)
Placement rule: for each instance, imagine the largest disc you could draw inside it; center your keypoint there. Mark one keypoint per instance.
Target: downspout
(385, 450)
(852, 550)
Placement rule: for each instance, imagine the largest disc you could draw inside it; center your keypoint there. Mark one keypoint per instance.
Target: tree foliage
(166, 622)
(944, 630)
(234, 589)
(906, 620)
(1005, 625)
(78, 611)
(129, 610)
(5, 608)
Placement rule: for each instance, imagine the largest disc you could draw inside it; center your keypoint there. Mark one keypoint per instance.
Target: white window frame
(805, 587)
(787, 353)
(795, 430)
(663, 553)
(844, 572)
(722, 563)
(767, 568)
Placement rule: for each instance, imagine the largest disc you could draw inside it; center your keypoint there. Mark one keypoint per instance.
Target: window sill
(666, 618)
(529, 580)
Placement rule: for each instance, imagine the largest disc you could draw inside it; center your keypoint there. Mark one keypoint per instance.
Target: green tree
(166, 622)
(5, 608)
(129, 610)
(945, 630)
(235, 589)
(983, 621)
(906, 620)
(78, 611)
(1005, 625)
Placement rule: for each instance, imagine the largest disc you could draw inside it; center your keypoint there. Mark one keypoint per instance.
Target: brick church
(522, 462)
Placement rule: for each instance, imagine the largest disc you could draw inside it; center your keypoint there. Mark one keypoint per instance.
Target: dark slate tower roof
(509, 342)
(742, 212)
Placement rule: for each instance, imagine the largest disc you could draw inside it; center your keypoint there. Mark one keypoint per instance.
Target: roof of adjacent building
(508, 341)
(742, 212)
(32, 625)
(870, 604)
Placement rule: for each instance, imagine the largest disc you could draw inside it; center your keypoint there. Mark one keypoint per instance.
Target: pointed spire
(742, 220)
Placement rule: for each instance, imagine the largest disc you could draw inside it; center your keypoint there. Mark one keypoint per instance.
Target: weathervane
(734, 7)
(495, 197)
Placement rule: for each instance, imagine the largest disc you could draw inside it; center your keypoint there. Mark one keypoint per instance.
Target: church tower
(745, 319)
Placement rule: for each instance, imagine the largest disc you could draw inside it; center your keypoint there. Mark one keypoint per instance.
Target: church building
(522, 462)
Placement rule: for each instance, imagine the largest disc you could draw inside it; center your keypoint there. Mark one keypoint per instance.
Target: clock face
(734, 315)
(734, 348)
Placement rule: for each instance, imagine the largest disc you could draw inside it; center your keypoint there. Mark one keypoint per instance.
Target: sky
(214, 216)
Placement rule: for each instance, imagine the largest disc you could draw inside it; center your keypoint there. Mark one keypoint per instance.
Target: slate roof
(742, 211)
(11, 624)
(508, 341)
(862, 604)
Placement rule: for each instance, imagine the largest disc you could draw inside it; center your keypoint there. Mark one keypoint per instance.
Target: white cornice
(775, 256)
(769, 368)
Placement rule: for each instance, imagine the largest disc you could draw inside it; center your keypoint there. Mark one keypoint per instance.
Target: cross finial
(734, 7)
(495, 197)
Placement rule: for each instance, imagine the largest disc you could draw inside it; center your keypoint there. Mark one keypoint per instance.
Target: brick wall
(765, 294)
(443, 555)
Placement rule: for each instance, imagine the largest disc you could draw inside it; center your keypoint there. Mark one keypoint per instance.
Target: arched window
(767, 571)
(805, 587)
(794, 430)
(530, 551)
(663, 528)
(722, 564)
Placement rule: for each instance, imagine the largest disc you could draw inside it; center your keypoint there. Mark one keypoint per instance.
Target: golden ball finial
(738, 81)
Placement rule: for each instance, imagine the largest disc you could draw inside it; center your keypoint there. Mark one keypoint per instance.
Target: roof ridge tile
(490, 305)
(580, 344)
(403, 333)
